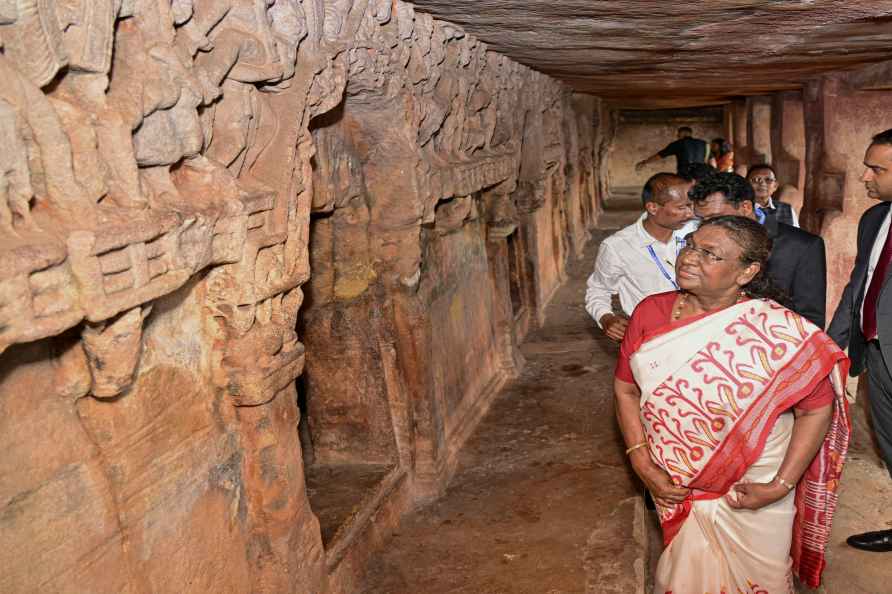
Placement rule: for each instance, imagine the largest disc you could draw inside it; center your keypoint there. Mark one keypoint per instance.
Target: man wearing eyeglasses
(639, 260)
(798, 264)
(763, 179)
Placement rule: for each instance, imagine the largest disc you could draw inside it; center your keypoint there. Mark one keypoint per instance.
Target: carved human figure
(255, 46)
(157, 91)
(45, 37)
(266, 358)
(53, 179)
(32, 40)
(15, 179)
(87, 32)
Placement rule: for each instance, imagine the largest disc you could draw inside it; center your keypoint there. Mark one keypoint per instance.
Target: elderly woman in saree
(733, 411)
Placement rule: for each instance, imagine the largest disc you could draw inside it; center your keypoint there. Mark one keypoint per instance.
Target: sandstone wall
(787, 124)
(842, 113)
(174, 176)
(816, 140)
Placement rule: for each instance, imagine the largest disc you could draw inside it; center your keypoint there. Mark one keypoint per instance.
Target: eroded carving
(113, 348)
(161, 163)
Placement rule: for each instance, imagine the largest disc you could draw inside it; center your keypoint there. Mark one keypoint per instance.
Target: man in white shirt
(639, 260)
(863, 320)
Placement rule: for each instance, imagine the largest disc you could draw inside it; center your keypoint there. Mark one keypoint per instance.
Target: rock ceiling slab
(660, 53)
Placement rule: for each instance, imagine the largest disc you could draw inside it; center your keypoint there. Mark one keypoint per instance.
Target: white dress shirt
(625, 267)
(875, 254)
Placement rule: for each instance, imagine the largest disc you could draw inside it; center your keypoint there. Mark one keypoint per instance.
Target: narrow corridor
(541, 502)
(275, 277)
(525, 512)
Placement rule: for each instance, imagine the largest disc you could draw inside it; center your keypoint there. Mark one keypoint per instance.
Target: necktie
(869, 321)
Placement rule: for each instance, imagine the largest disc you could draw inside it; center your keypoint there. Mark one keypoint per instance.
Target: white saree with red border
(716, 400)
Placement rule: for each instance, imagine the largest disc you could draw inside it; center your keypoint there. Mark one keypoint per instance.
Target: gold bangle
(785, 484)
(643, 444)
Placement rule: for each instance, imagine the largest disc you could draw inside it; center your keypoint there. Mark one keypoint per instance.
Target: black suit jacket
(798, 266)
(845, 328)
(782, 211)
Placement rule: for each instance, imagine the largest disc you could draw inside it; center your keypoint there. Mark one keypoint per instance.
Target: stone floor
(543, 502)
(535, 481)
(864, 501)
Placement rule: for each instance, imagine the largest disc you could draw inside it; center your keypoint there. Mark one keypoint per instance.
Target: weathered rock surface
(654, 54)
(535, 504)
(162, 163)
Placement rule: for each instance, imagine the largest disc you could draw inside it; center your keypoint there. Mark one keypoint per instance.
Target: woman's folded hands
(746, 495)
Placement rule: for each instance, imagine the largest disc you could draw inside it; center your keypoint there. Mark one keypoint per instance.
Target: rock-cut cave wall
(175, 177)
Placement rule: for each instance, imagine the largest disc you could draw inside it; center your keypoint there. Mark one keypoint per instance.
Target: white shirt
(875, 254)
(625, 267)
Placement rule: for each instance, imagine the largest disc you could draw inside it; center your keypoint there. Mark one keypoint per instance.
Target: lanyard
(659, 264)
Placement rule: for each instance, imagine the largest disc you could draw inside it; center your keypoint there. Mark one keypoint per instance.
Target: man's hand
(640, 165)
(614, 326)
(755, 495)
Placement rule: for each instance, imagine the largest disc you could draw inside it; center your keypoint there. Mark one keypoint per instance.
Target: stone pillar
(741, 136)
(759, 131)
(842, 113)
(788, 146)
(501, 216)
(531, 196)
(347, 322)
(586, 109)
(728, 122)
(510, 358)
(573, 196)
(554, 218)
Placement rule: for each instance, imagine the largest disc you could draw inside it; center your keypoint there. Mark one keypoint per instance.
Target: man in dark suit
(763, 179)
(863, 320)
(797, 264)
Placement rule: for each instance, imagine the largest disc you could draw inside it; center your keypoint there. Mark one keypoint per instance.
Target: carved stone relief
(161, 162)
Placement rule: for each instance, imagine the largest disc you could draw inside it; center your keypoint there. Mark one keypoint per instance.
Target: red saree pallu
(712, 391)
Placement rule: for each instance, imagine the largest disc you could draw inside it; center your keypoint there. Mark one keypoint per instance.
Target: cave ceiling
(657, 53)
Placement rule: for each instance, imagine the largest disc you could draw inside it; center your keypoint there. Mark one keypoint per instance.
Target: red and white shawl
(712, 390)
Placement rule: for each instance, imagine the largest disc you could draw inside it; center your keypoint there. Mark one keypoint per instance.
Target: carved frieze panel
(142, 137)
(266, 359)
(152, 141)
